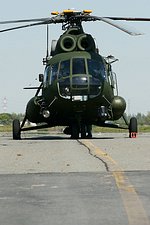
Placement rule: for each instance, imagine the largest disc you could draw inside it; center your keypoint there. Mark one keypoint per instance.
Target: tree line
(7, 118)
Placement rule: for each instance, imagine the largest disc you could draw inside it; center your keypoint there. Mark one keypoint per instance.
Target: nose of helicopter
(79, 87)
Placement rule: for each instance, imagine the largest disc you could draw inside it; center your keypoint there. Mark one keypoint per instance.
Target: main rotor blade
(129, 18)
(20, 27)
(119, 26)
(51, 20)
(23, 21)
(61, 18)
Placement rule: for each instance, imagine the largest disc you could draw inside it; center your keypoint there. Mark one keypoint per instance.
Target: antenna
(47, 45)
(47, 41)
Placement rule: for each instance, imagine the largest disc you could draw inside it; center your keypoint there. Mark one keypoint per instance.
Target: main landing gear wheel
(133, 128)
(16, 130)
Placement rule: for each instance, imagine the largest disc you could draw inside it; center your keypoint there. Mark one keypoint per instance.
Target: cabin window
(96, 68)
(64, 70)
(78, 66)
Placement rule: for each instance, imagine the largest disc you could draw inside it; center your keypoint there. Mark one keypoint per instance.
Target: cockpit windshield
(77, 76)
(64, 69)
(96, 68)
(78, 66)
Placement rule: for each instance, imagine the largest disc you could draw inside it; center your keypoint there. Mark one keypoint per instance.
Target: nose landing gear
(76, 129)
(83, 129)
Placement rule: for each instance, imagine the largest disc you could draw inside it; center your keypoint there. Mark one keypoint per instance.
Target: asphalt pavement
(50, 179)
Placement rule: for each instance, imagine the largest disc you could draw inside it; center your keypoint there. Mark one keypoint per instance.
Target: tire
(133, 127)
(89, 131)
(86, 131)
(16, 130)
(83, 131)
(74, 131)
(67, 130)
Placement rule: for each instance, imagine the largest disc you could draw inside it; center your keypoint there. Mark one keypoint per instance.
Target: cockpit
(77, 77)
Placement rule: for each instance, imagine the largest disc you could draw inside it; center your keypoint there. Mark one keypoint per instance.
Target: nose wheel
(83, 129)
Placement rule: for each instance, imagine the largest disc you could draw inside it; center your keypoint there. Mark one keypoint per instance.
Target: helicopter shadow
(61, 138)
(46, 138)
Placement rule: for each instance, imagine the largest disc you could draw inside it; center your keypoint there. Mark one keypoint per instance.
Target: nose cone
(80, 85)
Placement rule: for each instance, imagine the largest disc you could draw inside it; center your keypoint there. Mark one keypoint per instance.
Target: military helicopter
(78, 88)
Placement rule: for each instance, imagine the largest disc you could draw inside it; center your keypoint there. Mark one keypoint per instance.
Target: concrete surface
(54, 180)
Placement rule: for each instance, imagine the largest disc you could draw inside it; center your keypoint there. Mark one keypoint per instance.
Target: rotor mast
(72, 18)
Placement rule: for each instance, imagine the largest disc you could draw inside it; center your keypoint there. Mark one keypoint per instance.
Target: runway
(50, 179)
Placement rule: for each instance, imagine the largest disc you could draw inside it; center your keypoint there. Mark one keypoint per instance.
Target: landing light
(46, 113)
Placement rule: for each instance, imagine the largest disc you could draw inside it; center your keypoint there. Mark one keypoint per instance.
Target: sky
(22, 51)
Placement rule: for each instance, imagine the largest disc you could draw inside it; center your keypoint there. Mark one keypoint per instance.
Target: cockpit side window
(96, 69)
(53, 72)
(46, 76)
(50, 74)
(78, 66)
(64, 70)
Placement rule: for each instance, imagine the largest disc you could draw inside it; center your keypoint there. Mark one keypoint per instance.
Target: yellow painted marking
(131, 201)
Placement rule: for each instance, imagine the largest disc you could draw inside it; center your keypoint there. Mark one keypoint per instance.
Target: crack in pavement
(94, 155)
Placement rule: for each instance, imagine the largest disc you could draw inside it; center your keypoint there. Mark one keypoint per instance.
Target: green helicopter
(78, 88)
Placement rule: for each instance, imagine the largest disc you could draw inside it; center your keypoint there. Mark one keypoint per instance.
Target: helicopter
(78, 88)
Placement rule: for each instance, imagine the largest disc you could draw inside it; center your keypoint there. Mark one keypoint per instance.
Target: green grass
(141, 129)
(6, 128)
(144, 128)
(97, 129)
